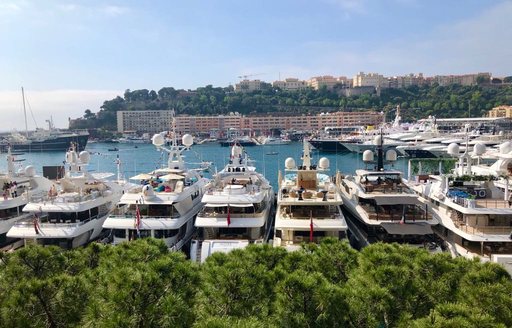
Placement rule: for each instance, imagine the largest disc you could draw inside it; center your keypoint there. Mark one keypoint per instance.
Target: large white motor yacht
(383, 208)
(165, 202)
(70, 211)
(237, 209)
(308, 204)
(473, 206)
(16, 189)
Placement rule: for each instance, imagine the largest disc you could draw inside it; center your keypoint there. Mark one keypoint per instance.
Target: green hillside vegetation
(416, 102)
(141, 284)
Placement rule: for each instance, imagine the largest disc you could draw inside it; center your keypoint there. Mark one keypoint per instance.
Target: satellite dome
(148, 192)
(453, 149)
(378, 140)
(30, 171)
(187, 140)
(368, 156)
(479, 149)
(289, 163)
(505, 147)
(323, 163)
(85, 157)
(158, 140)
(391, 155)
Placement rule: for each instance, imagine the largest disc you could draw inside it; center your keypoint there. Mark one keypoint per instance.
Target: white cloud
(58, 104)
(112, 10)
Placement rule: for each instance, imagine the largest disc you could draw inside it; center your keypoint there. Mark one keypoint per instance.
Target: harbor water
(142, 158)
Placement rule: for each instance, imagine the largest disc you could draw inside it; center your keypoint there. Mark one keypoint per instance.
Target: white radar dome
(391, 155)
(85, 157)
(30, 171)
(453, 149)
(289, 163)
(505, 147)
(479, 149)
(187, 140)
(378, 140)
(158, 140)
(323, 163)
(148, 192)
(368, 156)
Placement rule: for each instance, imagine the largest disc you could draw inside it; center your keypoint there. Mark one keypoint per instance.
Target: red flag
(36, 224)
(137, 217)
(229, 217)
(310, 227)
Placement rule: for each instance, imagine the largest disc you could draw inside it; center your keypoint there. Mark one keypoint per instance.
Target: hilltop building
(328, 81)
(501, 111)
(248, 85)
(290, 84)
(465, 79)
(370, 80)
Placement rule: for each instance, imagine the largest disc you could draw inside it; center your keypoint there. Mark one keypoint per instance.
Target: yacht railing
(142, 217)
(50, 224)
(72, 197)
(481, 231)
(480, 203)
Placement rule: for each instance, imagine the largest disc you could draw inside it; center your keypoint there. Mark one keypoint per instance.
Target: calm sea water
(145, 158)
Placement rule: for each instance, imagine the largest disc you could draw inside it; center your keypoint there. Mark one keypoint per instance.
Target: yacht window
(166, 233)
(120, 233)
(94, 211)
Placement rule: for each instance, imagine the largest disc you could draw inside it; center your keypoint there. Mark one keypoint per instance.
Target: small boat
(113, 149)
(273, 153)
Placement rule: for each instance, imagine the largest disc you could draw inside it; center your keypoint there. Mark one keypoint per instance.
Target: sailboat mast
(24, 111)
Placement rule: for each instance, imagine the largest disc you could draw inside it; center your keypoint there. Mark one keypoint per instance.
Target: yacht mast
(24, 111)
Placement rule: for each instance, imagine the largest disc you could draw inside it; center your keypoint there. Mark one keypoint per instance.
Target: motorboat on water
(237, 211)
(472, 205)
(163, 204)
(269, 141)
(382, 207)
(68, 212)
(308, 204)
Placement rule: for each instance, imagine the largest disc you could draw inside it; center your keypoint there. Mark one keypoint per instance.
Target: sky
(73, 55)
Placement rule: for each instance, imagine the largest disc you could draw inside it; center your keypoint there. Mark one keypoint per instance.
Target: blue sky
(72, 55)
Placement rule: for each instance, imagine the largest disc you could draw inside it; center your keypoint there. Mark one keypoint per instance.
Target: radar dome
(367, 156)
(148, 192)
(323, 163)
(85, 157)
(378, 140)
(30, 171)
(453, 149)
(505, 147)
(479, 149)
(289, 163)
(391, 155)
(158, 140)
(187, 140)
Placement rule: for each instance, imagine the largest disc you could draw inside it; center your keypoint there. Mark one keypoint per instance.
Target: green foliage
(416, 101)
(141, 284)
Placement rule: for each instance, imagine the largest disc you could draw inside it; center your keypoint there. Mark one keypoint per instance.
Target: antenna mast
(24, 111)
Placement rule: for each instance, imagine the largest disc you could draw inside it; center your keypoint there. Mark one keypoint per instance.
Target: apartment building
(501, 111)
(150, 121)
(248, 85)
(290, 84)
(466, 79)
(328, 81)
(370, 80)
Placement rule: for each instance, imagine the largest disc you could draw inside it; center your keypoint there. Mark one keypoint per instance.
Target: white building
(328, 81)
(290, 84)
(370, 80)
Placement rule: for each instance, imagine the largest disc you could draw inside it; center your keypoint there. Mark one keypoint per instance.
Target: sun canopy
(407, 228)
(171, 176)
(142, 176)
(167, 170)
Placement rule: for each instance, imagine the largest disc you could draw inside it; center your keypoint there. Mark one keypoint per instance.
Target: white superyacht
(70, 211)
(308, 204)
(237, 209)
(164, 204)
(383, 208)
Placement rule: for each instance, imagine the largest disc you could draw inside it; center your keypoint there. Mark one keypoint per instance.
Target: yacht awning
(231, 205)
(408, 228)
(142, 176)
(215, 205)
(242, 205)
(398, 200)
(171, 176)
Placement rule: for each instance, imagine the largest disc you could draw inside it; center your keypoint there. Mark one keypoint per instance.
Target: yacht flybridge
(237, 209)
(382, 206)
(308, 204)
(473, 205)
(164, 203)
(70, 211)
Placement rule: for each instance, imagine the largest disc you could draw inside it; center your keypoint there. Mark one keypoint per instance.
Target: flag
(310, 227)
(229, 217)
(37, 228)
(402, 220)
(137, 218)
